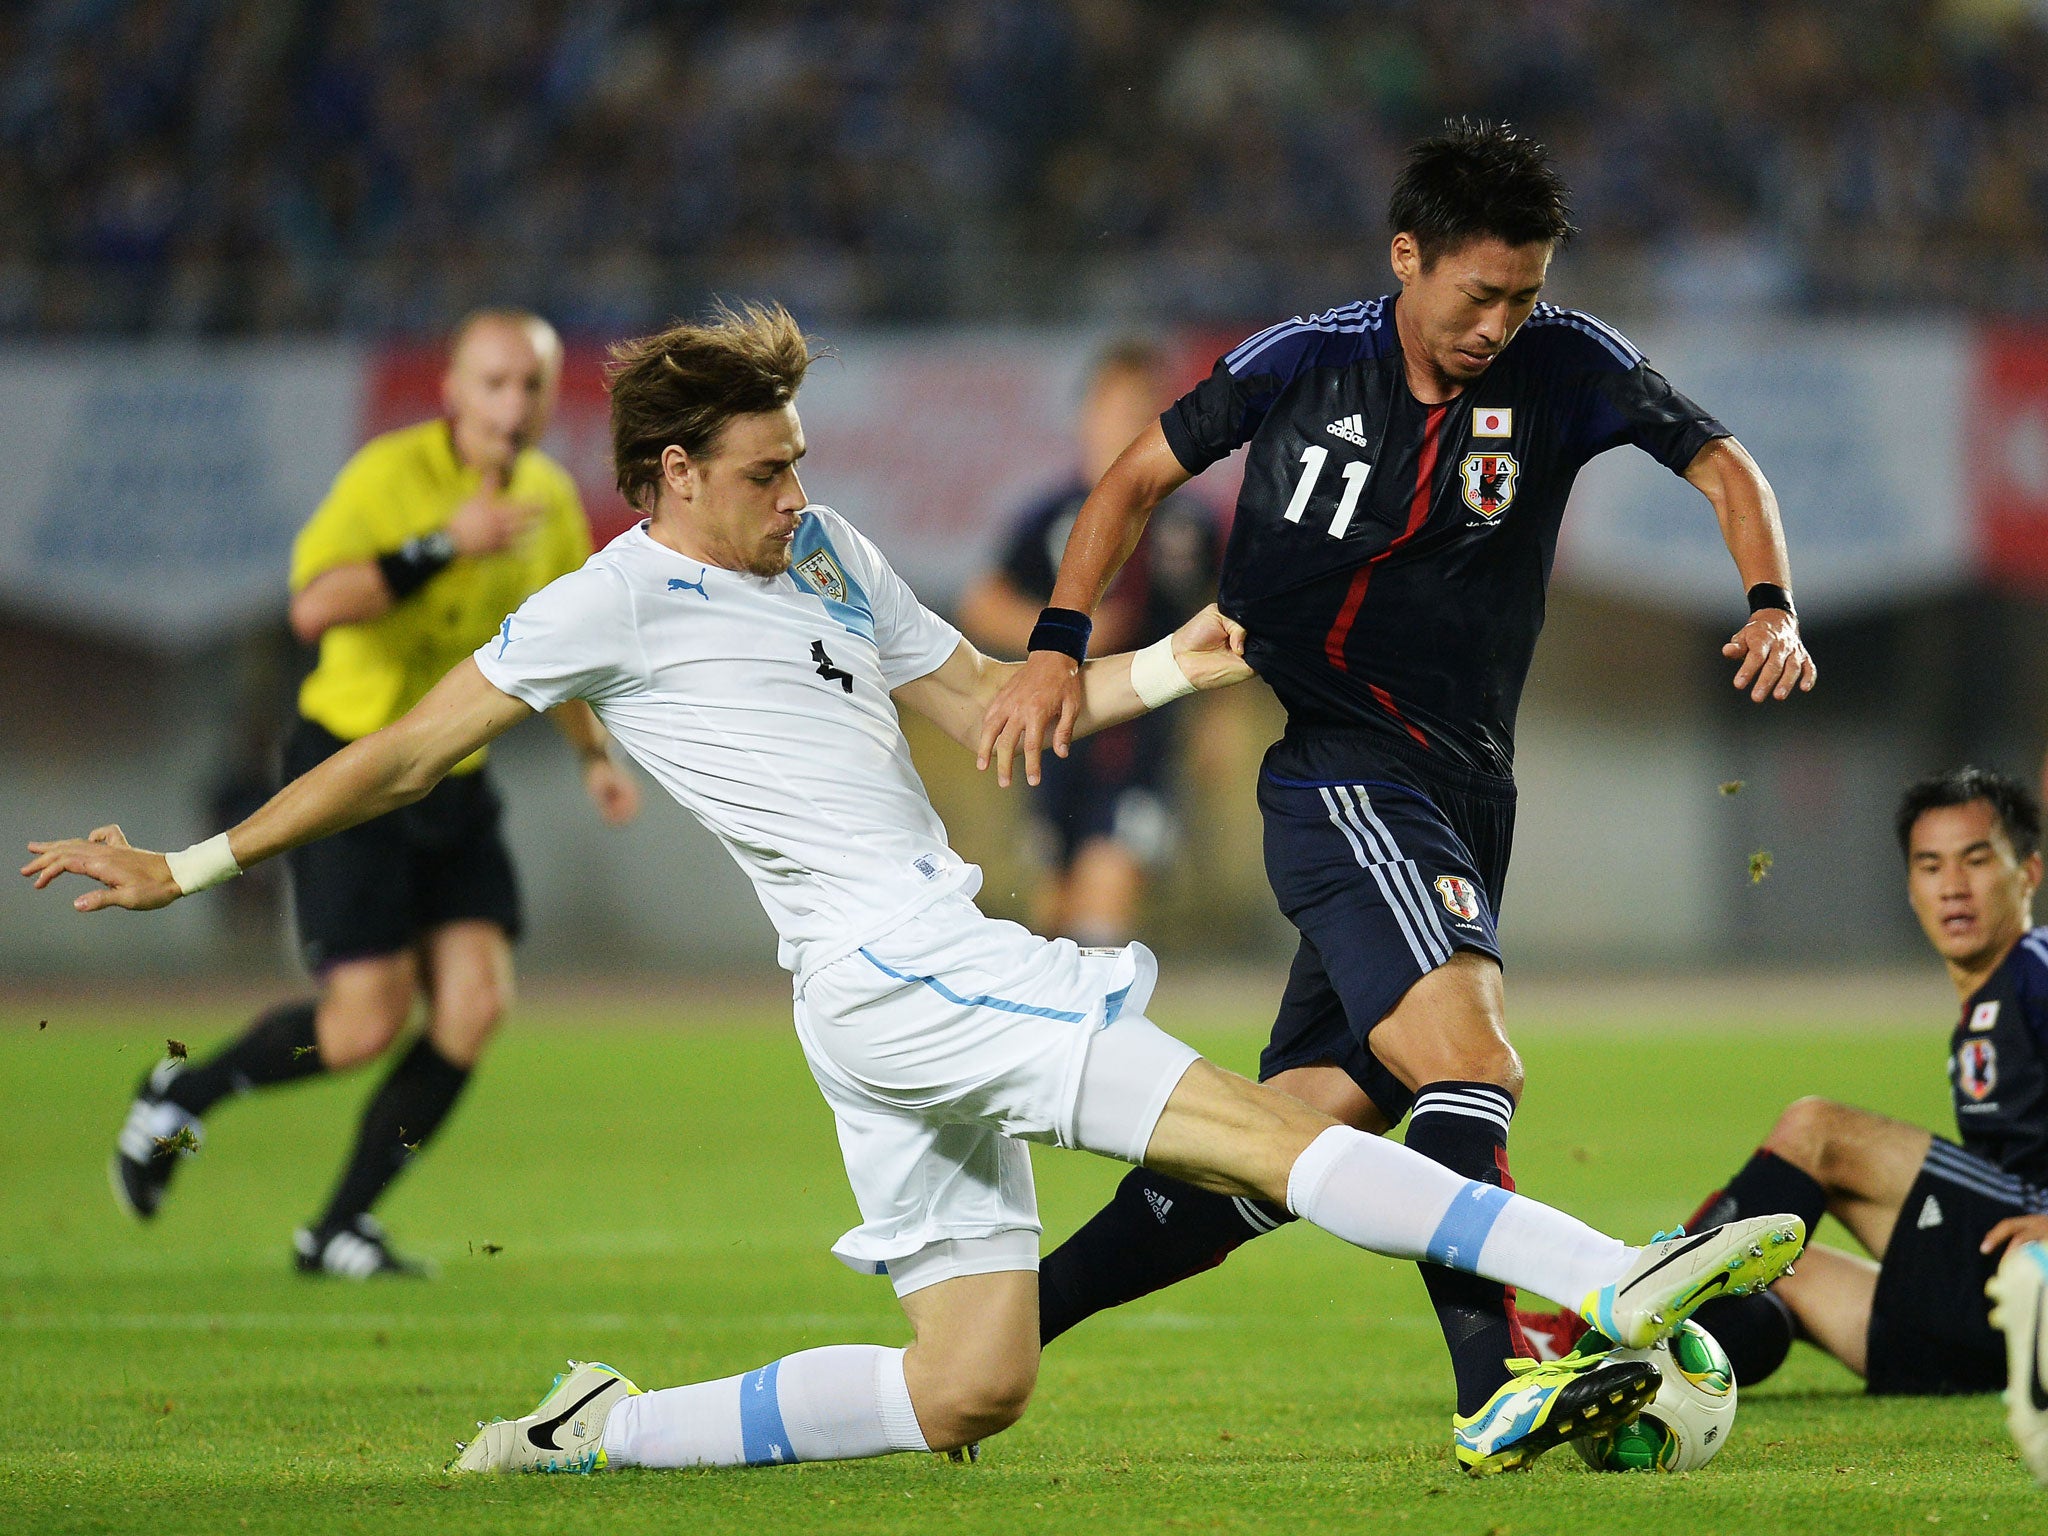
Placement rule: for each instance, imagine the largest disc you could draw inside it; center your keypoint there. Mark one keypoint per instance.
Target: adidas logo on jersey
(1351, 429)
(1159, 1203)
(1930, 1214)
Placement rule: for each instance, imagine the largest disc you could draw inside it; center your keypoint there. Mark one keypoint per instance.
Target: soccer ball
(1686, 1423)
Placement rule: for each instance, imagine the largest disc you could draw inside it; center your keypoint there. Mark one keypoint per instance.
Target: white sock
(1378, 1195)
(830, 1404)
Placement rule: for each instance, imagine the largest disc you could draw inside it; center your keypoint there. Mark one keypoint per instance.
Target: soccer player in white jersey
(750, 650)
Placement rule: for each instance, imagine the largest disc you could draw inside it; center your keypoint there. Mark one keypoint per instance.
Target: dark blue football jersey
(1388, 558)
(1998, 1064)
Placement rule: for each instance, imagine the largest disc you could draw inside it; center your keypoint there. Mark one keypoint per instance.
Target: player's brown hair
(681, 386)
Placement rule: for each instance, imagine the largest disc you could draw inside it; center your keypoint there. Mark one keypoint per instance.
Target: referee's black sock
(1755, 1332)
(1767, 1185)
(278, 1048)
(1464, 1126)
(1153, 1232)
(407, 1108)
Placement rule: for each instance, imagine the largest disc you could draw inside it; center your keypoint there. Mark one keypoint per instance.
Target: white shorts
(948, 1042)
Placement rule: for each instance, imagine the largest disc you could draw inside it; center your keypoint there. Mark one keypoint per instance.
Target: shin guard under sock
(1154, 1231)
(404, 1112)
(1464, 1126)
(278, 1047)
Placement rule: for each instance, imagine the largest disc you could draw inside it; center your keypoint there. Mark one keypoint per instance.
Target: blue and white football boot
(564, 1433)
(1673, 1277)
(1547, 1402)
(2020, 1293)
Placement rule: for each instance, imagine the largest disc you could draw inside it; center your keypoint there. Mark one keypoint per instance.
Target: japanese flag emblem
(1488, 482)
(1493, 421)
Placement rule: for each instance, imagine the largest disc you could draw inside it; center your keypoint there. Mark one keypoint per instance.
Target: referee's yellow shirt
(397, 487)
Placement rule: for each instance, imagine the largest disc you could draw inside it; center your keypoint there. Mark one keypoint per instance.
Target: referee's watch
(416, 562)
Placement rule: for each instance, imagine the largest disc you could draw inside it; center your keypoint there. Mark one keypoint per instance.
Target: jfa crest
(1458, 896)
(822, 572)
(1488, 482)
(1977, 1069)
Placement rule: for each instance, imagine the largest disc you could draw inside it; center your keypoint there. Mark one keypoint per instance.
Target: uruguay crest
(822, 574)
(1459, 897)
(1488, 482)
(1977, 1069)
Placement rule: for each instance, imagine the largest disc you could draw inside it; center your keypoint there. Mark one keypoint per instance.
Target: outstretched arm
(1773, 658)
(1207, 652)
(1045, 691)
(379, 773)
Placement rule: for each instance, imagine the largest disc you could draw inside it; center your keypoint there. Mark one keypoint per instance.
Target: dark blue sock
(1154, 1231)
(1464, 1126)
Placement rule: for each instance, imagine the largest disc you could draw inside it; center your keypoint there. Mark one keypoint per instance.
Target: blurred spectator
(233, 166)
(1102, 816)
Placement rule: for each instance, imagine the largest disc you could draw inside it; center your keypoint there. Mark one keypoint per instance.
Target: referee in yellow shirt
(430, 536)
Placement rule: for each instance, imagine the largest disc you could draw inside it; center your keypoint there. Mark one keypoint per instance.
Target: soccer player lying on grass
(1935, 1215)
(750, 651)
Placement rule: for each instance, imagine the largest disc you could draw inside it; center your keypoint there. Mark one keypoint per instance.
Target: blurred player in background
(430, 536)
(1408, 465)
(1103, 814)
(753, 652)
(1935, 1215)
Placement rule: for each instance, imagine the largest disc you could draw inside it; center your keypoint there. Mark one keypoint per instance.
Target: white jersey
(762, 705)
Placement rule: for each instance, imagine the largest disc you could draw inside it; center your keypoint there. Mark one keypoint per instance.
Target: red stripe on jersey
(1385, 700)
(1354, 598)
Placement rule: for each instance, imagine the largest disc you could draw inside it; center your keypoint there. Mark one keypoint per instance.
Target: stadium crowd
(254, 166)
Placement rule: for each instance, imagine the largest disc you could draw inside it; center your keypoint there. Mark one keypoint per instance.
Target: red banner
(2008, 453)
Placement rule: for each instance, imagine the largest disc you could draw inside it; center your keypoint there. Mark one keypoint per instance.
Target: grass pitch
(656, 1186)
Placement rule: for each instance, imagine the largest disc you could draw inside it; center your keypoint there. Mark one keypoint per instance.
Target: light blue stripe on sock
(763, 1440)
(1462, 1233)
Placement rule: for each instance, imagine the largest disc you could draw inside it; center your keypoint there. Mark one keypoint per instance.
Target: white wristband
(203, 864)
(1156, 677)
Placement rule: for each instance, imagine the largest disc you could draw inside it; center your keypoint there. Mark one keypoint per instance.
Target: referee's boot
(154, 1139)
(358, 1251)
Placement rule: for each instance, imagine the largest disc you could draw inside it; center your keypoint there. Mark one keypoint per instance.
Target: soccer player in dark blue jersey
(1408, 462)
(1936, 1216)
(1104, 814)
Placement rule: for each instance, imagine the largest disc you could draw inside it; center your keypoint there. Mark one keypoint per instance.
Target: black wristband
(1065, 630)
(415, 563)
(1768, 594)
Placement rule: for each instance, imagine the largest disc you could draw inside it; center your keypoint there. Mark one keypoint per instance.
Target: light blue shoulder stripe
(854, 612)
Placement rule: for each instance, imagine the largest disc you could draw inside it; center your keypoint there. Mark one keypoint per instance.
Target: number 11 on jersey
(1313, 458)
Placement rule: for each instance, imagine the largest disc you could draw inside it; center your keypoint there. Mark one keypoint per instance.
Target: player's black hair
(1475, 179)
(2018, 812)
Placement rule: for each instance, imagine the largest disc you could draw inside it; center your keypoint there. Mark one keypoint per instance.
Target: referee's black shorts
(376, 888)
(1386, 864)
(1930, 1326)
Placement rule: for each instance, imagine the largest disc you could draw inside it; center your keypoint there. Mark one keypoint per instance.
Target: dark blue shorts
(1386, 866)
